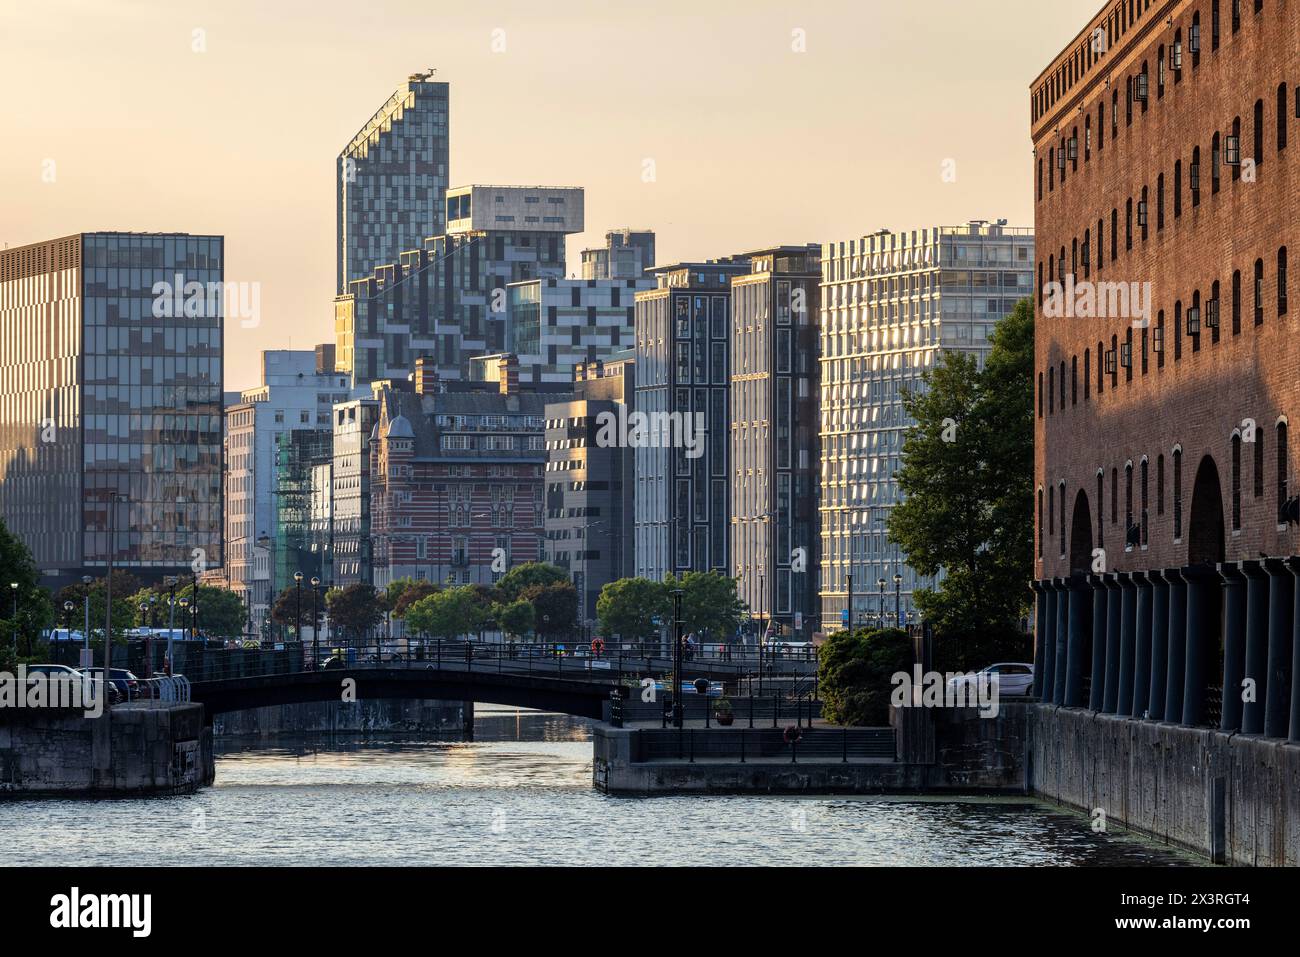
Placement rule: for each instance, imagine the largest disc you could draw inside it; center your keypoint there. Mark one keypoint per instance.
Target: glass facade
(891, 303)
(115, 366)
(392, 180)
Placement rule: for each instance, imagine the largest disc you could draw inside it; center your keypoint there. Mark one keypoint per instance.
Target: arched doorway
(1081, 536)
(1205, 538)
(1081, 564)
(1206, 541)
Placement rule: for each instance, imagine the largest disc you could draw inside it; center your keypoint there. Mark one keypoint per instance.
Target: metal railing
(616, 665)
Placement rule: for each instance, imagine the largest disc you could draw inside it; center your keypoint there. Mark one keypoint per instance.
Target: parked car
(126, 684)
(1011, 677)
(65, 671)
(333, 663)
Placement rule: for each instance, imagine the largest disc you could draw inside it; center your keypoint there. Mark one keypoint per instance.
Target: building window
(1259, 292)
(1282, 484)
(1101, 524)
(1145, 525)
(1178, 494)
(1128, 506)
(1236, 482)
(1236, 303)
(1281, 281)
(1160, 484)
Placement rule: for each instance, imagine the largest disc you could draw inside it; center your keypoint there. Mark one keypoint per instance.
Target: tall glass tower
(111, 401)
(392, 180)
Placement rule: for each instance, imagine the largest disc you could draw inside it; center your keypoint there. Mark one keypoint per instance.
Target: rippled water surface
(521, 794)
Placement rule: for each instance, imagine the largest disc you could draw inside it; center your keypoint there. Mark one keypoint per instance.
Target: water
(521, 794)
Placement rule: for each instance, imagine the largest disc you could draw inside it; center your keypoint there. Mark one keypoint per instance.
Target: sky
(761, 122)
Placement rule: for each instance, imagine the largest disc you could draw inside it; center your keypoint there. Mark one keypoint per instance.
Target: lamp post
(898, 601)
(849, 580)
(87, 661)
(677, 657)
(185, 607)
(880, 605)
(171, 621)
(68, 609)
(297, 581)
(13, 587)
(315, 621)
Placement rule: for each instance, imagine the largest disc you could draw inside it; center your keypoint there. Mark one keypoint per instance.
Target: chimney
(426, 376)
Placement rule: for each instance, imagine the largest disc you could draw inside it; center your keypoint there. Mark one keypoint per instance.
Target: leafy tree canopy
(854, 672)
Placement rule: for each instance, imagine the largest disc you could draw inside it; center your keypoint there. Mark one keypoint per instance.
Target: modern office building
(447, 298)
(298, 392)
(890, 304)
(555, 325)
(392, 180)
(456, 481)
(775, 438)
(682, 512)
(111, 401)
(351, 554)
(590, 479)
(627, 254)
(1166, 140)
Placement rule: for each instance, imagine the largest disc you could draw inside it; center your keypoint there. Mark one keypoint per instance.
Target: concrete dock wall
(337, 717)
(130, 752)
(1232, 797)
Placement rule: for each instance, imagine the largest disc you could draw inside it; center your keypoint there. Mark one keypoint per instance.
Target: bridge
(526, 676)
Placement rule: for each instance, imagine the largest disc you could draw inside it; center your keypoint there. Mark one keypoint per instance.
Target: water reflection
(520, 793)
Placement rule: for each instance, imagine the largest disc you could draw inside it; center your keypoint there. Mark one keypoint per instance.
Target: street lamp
(13, 587)
(297, 580)
(184, 604)
(880, 605)
(677, 657)
(315, 621)
(898, 601)
(87, 661)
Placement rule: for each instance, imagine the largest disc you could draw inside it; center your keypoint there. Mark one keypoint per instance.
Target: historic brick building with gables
(456, 479)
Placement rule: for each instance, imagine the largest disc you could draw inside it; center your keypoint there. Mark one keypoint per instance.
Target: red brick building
(1166, 168)
(457, 480)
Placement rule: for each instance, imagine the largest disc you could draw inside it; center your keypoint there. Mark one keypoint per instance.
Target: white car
(1013, 677)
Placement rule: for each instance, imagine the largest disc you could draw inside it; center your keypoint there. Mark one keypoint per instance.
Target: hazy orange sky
(753, 142)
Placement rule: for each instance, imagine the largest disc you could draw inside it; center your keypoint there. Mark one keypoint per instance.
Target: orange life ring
(597, 645)
(792, 734)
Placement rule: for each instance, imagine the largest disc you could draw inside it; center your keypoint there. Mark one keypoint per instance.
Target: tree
(125, 612)
(967, 477)
(448, 614)
(555, 608)
(515, 619)
(628, 608)
(514, 582)
(355, 609)
(221, 612)
(411, 592)
(35, 610)
(710, 606)
(855, 671)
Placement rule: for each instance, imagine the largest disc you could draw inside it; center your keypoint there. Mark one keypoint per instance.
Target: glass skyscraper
(111, 401)
(890, 304)
(392, 180)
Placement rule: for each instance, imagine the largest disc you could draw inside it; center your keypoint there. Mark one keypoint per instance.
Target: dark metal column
(1159, 644)
(1049, 646)
(1142, 649)
(1252, 710)
(1203, 583)
(1098, 677)
(1114, 597)
(1080, 612)
(1127, 622)
(1040, 633)
(1293, 565)
(1281, 599)
(1062, 636)
(1234, 643)
(1177, 655)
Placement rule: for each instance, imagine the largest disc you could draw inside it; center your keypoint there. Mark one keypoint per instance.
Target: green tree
(514, 582)
(711, 609)
(35, 608)
(408, 595)
(628, 608)
(125, 613)
(555, 608)
(447, 614)
(221, 612)
(355, 609)
(854, 672)
(515, 619)
(967, 477)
